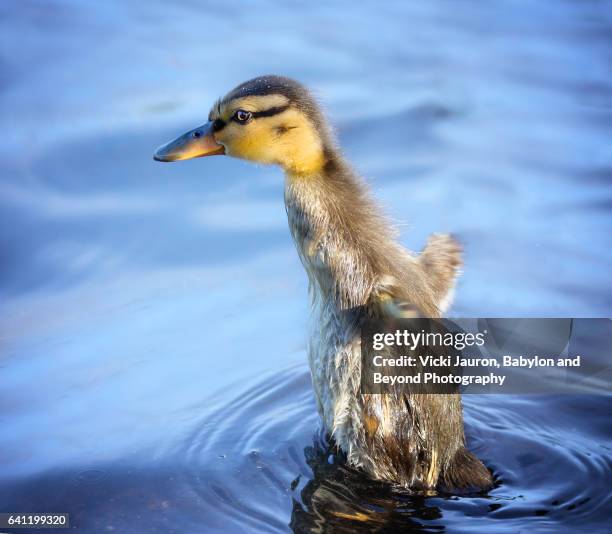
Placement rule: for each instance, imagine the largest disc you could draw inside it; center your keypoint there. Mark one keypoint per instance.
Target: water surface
(153, 317)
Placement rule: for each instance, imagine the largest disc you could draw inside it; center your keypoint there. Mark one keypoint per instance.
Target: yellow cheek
(298, 150)
(252, 142)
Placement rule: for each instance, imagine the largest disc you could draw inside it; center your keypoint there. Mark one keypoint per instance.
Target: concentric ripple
(259, 462)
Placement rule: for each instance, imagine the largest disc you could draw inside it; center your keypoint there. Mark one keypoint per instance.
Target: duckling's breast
(334, 340)
(335, 365)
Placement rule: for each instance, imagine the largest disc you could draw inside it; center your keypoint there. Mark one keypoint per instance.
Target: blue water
(152, 317)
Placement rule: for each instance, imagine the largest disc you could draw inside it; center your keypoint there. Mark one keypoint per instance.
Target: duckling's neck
(305, 156)
(340, 236)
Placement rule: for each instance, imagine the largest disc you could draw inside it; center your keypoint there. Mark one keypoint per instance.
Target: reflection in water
(152, 318)
(340, 499)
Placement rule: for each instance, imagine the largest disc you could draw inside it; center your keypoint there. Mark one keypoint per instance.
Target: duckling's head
(269, 119)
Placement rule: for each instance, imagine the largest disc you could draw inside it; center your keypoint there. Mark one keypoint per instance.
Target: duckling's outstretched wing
(441, 261)
(423, 286)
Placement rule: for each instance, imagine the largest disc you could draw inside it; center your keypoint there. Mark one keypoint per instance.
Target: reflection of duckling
(340, 499)
(356, 269)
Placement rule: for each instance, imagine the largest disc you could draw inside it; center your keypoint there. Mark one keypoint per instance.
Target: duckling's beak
(193, 144)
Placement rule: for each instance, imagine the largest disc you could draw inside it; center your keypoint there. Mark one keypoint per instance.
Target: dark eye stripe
(270, 112)
(218, 125)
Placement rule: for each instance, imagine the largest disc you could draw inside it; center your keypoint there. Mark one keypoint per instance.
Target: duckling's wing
(397, 308)
(441, 262)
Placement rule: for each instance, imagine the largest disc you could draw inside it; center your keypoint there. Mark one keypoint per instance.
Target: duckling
(356, 269)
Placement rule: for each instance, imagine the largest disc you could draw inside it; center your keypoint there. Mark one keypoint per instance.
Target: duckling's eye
(242, 116)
